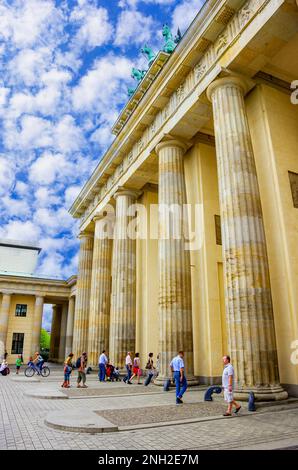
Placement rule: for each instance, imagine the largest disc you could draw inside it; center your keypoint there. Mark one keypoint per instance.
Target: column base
(191, 381)
(270, 393)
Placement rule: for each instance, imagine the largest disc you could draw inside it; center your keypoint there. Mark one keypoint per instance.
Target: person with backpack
(150, 368)
(81, 365)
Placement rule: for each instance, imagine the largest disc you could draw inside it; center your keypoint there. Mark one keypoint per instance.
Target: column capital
(85, 234)
(171, 143)
(6, 292)
(236, 81)
(134, 193)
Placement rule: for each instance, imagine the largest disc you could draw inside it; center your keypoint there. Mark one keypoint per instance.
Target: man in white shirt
(177, 368)
(128, 365)
(102, 362)
(228, 386)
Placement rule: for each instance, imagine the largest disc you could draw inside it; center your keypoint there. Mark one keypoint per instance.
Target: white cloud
(29, 21)
(15, 207)
(48, 168)
(70, 194)
(94, 26)
(133, 27)
(20, 230)
(185, 12)
(67, 135)
(7, 175)
(99, 89)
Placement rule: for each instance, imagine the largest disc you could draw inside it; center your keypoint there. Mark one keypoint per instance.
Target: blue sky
(64, 71)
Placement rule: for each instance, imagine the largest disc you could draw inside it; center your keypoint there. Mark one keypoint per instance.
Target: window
(17, 343)
(217, 229)
(293, 177)
(21, 310)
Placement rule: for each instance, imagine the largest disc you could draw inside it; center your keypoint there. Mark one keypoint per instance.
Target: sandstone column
(62, 341)
(55, 331)
(99, 320)
(4, 316)
(37, 322)
(69, 326)
(80, 332)
(175, 309)
(247, 286)
(123, 298)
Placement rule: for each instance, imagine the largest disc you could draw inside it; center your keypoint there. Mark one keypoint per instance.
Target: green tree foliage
(44, 339)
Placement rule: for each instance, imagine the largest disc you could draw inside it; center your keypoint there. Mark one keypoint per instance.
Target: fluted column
(174, 309)
(37, 321)
(80, 333)
(4, 316)
(123, 298)
(99, 320)
(63, 325)
(69, 326)
(247, 286)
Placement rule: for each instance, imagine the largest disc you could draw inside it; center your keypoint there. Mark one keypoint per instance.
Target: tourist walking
(102, 364)
(128, 365)
(82, 365)
(150, 368)
(67, 371)
(178, 373)
(19, 362)
(136, 370)
(228, 386)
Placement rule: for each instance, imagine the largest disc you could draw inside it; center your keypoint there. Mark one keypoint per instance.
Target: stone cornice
(213, 32)
(143, 86)
(36, 286)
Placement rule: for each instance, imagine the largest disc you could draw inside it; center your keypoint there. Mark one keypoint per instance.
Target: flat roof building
(18, 257)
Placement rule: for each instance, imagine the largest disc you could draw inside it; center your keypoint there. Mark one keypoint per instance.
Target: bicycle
(31, 370)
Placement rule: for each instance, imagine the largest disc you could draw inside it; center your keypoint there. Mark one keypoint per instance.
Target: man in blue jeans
(177, 368)
(102, 362)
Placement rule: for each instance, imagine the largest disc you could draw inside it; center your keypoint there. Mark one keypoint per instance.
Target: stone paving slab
(85, 421)
(22, 424)
(166, 414)
(24, 379)
(110, 391)
(46, 393)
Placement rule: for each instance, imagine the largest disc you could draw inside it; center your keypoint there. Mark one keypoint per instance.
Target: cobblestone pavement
(22, 423)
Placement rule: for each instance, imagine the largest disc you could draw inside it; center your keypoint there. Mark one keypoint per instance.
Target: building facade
(22, 299)
(212, 126)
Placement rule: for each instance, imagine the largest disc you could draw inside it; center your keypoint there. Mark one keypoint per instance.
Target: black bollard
(213, 389)
(251, 402)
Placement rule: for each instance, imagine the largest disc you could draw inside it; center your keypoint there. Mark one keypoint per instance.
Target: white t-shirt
(228, 370)
(128, 360)
(103, 359)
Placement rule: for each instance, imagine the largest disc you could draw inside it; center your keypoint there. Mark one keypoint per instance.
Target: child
(117, 374)
(19, 362)
(67, 371)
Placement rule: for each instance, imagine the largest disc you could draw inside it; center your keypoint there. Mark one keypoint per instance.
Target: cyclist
(38, 362)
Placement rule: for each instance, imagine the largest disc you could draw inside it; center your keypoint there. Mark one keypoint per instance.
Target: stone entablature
(50, 288)
(213, 42)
